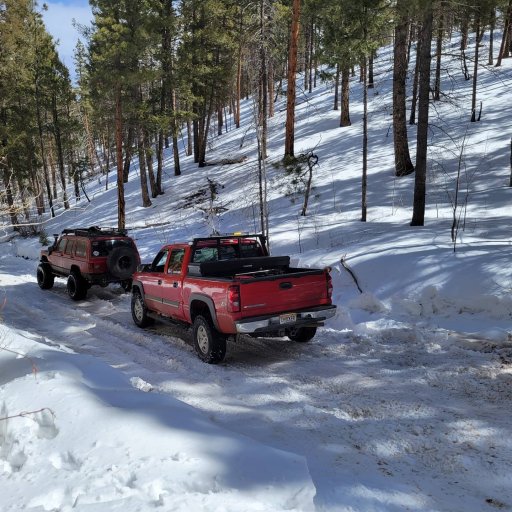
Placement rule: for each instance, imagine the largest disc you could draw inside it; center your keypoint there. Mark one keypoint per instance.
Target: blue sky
(59, 22)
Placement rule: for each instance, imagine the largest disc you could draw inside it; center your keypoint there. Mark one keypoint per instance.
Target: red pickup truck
(229, 285)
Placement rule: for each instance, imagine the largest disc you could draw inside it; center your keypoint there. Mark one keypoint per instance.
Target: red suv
(89, 256)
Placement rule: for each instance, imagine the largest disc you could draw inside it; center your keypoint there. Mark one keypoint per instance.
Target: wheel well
(74, 270)
(198, 307)
(44, 259)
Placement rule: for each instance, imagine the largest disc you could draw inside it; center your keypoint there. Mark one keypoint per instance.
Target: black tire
(209, 343)
(122, 262)
(139, 310)
(45, 277)
(302, 334)
(76, 286)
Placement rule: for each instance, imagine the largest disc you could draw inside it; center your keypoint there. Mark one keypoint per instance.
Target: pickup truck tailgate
(276, 294)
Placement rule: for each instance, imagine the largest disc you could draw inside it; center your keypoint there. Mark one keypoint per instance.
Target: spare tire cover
(122, 262)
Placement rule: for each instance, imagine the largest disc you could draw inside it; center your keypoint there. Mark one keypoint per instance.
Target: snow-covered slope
(402, 402)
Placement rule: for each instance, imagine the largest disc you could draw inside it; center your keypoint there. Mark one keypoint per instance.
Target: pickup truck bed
(256, 295)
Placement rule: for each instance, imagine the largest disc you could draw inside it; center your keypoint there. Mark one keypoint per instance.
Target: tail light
(329, 284)
(234, 299)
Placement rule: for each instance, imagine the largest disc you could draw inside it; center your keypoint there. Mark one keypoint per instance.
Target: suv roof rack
(95, 231)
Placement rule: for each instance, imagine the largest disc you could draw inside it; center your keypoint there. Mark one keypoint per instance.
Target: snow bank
(88, 440)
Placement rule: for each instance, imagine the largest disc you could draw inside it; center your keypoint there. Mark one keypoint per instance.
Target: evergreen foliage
(149, 70)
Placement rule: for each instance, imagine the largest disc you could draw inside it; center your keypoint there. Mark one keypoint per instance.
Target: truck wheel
(122, 262)
(302, 334)
(210, 344)
(45, 278)
(139, 310)
(77, 287)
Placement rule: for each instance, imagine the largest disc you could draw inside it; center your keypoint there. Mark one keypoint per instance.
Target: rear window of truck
(210, 250)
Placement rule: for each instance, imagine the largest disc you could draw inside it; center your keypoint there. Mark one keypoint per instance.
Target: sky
(58, 19)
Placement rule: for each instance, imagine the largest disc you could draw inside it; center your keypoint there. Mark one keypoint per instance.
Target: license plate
(287, 318)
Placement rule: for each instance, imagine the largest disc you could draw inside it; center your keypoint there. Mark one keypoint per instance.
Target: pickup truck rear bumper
(274, 323)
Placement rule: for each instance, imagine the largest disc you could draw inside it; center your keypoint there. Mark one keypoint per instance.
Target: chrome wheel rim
(138, 309)
(202, 339)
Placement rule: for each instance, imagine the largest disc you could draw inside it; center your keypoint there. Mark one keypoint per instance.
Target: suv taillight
(234, 299)
(329, 284)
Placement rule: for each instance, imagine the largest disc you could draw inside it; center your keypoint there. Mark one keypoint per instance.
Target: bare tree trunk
(121, 208)
(475, 69)
(220, 120)
(505, 39)
(312, 160)
(271, 109)
(311, 56)
(307, 59)
(189, 137)
(263, 85)
(292, 69)
(409, 41)
(414, 100)
(490, 60)
(128, 153)
(76, 182)
(369, 72)
(148, 153)
(403, 164)
(146, 202)
(337, 87)
(345, 96)
(239, 68)
(439, 47)
(364, 179)
(175, 148)
(196, 136)
(53, 174)
(464, 34)
(418, 217)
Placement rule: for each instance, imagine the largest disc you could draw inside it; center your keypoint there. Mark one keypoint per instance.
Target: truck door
(172, 292)
(153, 280)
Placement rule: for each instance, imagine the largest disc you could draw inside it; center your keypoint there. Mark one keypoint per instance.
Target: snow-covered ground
(402, 402)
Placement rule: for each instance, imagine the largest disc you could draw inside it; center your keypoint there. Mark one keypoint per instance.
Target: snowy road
(390, 417)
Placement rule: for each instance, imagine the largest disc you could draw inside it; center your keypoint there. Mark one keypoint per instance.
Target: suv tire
(209, 344)
(76, 286)
(45, 278)
(122, 262)
(139, 310)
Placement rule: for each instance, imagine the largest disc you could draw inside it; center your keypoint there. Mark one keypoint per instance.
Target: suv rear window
(105, 247)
